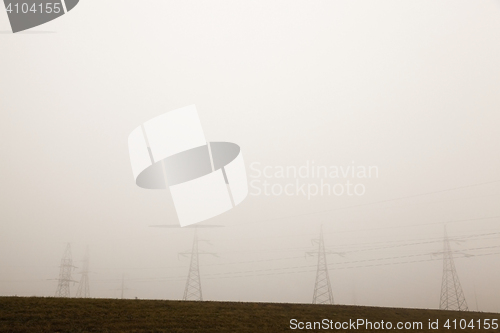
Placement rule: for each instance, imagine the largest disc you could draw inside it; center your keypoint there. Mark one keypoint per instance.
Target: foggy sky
(411, 87)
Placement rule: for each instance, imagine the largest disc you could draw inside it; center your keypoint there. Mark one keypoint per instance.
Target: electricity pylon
(65, 271)
(322, 288)
(83, 288)
(452, 295)
(193, 292)
(122, 288)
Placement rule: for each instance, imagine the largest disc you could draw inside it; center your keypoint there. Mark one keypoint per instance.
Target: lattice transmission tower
(452, 295)
(83, 290)
(123, 288)
(322, 288)
(192, 291)
(65, 271)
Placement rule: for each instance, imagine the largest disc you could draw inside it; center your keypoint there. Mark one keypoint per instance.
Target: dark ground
(33, 314)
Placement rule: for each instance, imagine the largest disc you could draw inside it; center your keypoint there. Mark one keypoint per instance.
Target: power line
(370, 229)
(359, 230)
(378, 202)
(313, 268)
(343, 252)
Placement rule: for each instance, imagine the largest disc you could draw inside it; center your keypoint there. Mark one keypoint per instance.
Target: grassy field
(19, 314)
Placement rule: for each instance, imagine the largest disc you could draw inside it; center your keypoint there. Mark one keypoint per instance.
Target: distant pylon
(192, 291)
(65, 271)
(123, 285)
(122, 288)
(322, 288)
(452, 295)
(83, 288)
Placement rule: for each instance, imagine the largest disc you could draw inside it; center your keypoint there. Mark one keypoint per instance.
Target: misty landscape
(369, 132)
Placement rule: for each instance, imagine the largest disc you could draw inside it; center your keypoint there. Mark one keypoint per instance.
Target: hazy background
(410, 86)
